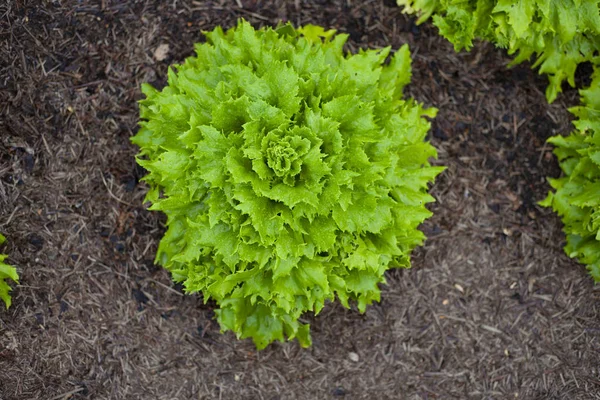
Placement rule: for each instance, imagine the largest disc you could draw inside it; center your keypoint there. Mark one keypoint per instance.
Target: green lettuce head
(6, 272)
(290, 174)
(560, 34)
(576, 195)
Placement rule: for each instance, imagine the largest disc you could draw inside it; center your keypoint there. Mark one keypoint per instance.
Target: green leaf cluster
(577, 194)
(561, 34)
(6, 272)
(290, 173)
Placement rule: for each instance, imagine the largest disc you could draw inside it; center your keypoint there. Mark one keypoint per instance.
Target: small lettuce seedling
(289, 172)
(560, 34)
(577, 194)
(6, 272)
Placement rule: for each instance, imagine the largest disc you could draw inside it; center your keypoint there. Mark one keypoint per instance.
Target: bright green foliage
(577, 196)
(560, 33)
(290, 174)
(6, 272)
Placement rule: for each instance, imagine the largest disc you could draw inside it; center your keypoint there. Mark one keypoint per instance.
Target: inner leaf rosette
(290, 173)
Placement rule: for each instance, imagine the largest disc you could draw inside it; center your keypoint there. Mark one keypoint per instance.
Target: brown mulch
(492, 308)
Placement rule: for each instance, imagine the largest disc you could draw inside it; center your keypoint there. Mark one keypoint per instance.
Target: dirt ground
(492, 308)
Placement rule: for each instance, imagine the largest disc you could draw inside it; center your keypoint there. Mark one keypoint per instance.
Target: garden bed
(492, 307)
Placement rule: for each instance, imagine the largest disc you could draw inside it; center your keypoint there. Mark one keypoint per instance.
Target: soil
(492, 308)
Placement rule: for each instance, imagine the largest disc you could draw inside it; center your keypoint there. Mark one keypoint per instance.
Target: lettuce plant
(561, 34)
(577, 194)
(289, 172)
(6, 272)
